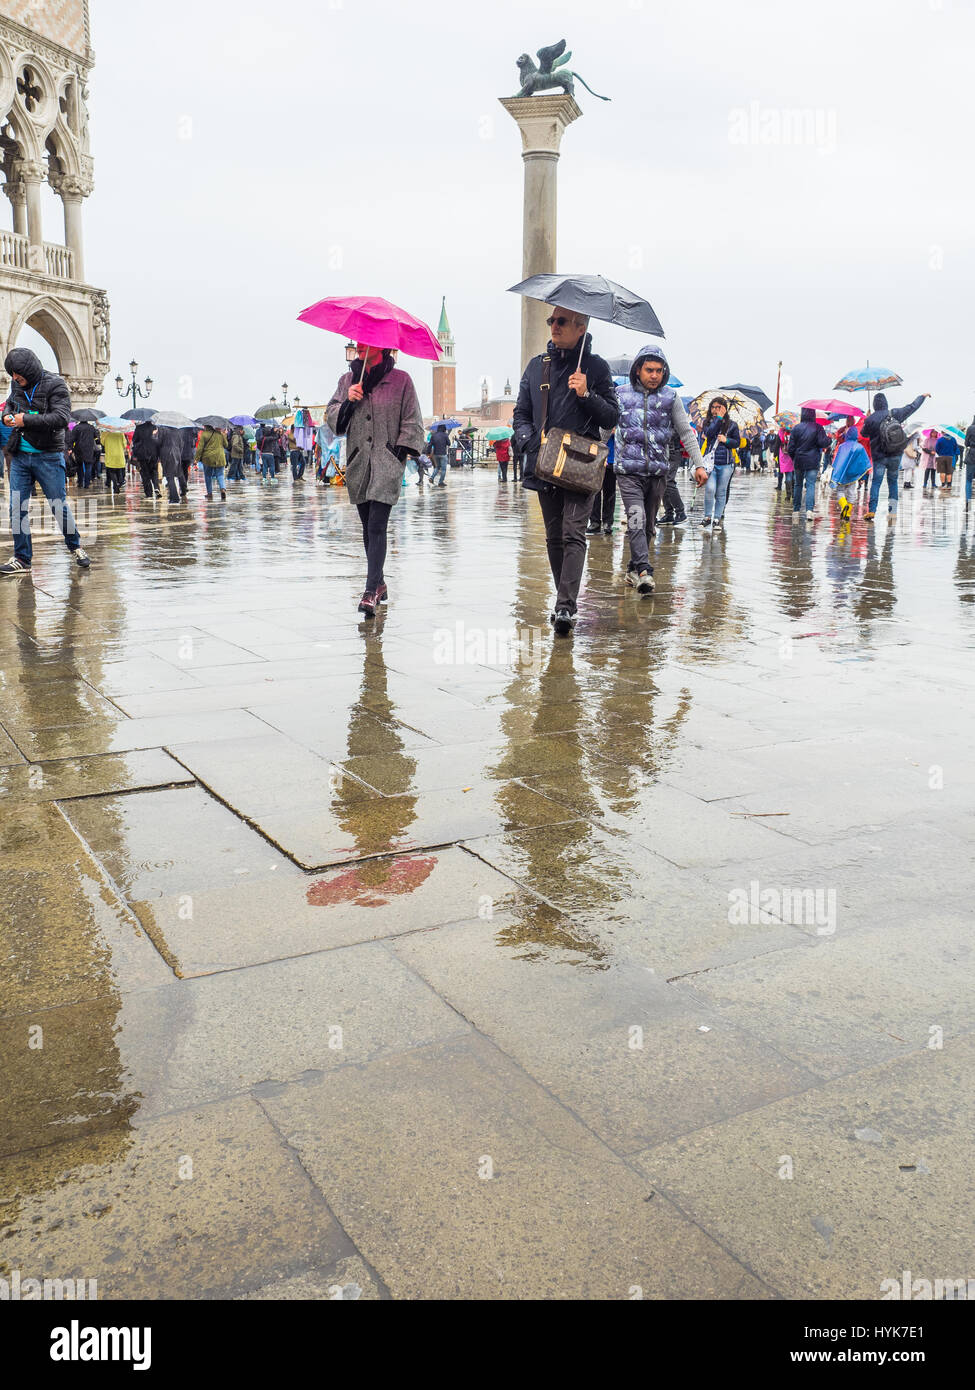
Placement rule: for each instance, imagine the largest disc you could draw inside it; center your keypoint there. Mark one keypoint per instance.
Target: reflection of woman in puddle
(377, 825)
(713, 617)
(794, 573)
(965, 568)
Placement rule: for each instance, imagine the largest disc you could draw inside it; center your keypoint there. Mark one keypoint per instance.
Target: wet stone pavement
(438, 958)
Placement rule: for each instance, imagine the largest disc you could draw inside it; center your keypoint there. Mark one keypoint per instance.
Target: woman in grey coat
(381, 417)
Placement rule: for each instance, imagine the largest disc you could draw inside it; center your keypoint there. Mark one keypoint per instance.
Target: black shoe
(666, 521)
(593, 528)
(607, 530)
(680, 520)
(645, 583)
(564, 622)
(83, 559)
(13, 569)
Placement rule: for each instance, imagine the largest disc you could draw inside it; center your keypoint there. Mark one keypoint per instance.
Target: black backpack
(892, 437)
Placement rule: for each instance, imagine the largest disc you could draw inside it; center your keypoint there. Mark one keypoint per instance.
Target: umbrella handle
(582, 348)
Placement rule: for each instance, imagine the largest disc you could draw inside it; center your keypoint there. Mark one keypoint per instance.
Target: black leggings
(375, 520)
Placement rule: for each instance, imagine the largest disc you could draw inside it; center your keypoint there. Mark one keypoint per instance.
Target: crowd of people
(640, 423)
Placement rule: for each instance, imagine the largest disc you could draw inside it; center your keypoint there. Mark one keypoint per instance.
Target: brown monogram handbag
(568, 460)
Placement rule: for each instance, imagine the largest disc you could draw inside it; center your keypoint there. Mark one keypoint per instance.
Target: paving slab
(828, 1194)
(538, 1207)
(71, 778)
(205, 1204)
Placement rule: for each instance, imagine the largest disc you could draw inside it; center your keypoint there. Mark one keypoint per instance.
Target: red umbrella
(376, 323)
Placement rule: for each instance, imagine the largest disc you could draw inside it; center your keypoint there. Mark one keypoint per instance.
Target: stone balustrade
(15, 254)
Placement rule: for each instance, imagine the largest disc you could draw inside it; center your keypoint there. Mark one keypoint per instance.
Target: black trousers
(375, 523)
(149, 473)
(673, 502)
(171, 472)
(604, 506)
(565, 515)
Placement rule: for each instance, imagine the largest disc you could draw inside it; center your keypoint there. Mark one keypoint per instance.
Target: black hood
(25, 363)
(880, 401)
(807, 415)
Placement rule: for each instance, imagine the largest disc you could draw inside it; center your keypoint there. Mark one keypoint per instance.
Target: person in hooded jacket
(885, 462)
(849, 466)
(170, 445)
(84, 442)
(652, 418)
(38, 411)
(720, 437)
(582, 400)
(187, 454)
(806, 444)
(145, 453)
(969, 463)
(376, 406)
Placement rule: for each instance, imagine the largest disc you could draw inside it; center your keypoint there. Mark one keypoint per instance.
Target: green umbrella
(493, 435)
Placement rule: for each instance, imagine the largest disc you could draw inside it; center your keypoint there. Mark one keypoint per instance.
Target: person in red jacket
(502, 452)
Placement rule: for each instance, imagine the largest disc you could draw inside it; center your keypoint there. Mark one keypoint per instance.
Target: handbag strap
(546, 390)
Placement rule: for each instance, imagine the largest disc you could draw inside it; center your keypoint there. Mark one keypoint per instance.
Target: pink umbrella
(834, 408)
(376, 323)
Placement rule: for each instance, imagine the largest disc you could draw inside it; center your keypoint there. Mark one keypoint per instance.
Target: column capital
(71, 187)
(31, 170)
(542, 121)
(16, 190)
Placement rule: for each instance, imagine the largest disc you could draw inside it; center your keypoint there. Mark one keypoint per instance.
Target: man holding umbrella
(581, 398)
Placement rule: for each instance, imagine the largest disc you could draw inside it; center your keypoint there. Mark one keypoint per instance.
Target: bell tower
(445, 371)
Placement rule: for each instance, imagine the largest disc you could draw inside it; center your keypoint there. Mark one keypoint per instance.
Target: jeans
(440, 469)
(804, 489)
(565, 515)
(969, 476)
(604, 507)
(211, 476)
(236, 474)
(930, 475)
(641, 497)
(375, 521)
(881, 466)
(716, 490)
(49, 472)
(268, 466)
(297, 464)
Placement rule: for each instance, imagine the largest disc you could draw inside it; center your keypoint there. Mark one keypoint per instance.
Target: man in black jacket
(806, 444)
(38, 411)
(169, 446)
(145, 452)
(84, 442)
(581, 399)
(885, 459)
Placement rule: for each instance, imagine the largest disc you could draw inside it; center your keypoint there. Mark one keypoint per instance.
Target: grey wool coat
(387, 419)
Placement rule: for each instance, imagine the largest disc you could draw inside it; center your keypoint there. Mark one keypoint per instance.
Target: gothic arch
(55, 325)
(43, 118)
(65, 149)
(26, 136)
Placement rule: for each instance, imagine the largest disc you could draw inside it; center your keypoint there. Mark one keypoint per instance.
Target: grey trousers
(641, 502)
(566, 515)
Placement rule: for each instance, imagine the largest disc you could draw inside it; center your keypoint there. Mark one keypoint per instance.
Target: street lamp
(134, 390)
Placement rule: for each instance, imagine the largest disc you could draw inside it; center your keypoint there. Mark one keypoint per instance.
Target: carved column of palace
(33, 176)
(542, 121)
(72, 190)
(16, 191)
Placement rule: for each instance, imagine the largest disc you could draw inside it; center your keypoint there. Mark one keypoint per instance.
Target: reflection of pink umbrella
(834, 408)
(376, 323)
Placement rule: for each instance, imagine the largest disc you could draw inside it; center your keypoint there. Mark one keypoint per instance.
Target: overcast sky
(253, 158)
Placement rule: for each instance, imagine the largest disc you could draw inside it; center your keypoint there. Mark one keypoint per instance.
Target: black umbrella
(139, 416)
(594, 296)
(214, 422)
(755, 392)
(87, 417)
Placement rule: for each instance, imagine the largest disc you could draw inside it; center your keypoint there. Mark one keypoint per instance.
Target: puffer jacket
(807, 442)
(720, 455)
(46, 400)
(650, 422)
(567, 411)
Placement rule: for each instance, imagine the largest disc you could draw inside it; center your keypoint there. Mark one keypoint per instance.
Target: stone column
(16, 191)
(542, 121)
(33, 175)
(72, 191)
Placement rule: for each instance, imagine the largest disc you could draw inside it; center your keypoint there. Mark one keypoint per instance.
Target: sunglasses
(561, 321)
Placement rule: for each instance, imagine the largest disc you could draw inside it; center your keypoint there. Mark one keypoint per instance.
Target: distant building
(45, 62)
(445, 371)
(493, 411)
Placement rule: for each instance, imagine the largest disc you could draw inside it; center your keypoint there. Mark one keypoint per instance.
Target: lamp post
(134, 390)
